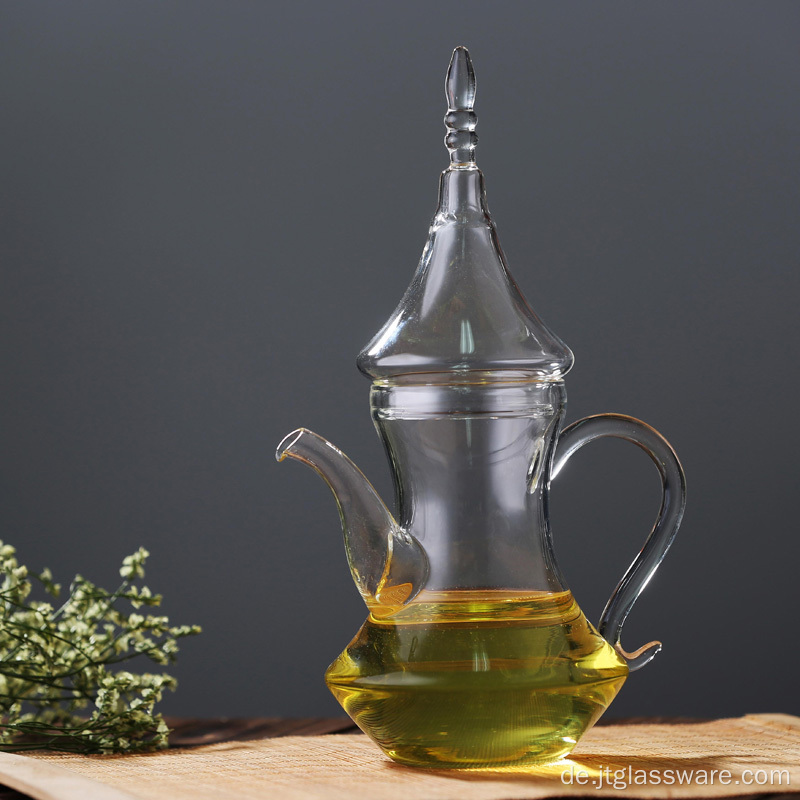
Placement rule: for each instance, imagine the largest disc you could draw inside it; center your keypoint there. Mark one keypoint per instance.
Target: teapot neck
(462, 196)
(471, 467)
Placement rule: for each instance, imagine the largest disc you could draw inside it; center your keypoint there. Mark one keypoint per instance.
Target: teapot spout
(388, 565)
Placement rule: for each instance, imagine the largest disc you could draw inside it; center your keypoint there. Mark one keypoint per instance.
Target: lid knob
(459, 88)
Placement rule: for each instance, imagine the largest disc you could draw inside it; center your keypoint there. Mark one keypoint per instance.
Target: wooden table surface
(196, 732)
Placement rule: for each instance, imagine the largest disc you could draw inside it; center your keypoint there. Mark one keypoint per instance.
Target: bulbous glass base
(469, 679)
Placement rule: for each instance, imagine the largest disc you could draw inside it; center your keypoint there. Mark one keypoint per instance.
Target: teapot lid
(463, 317)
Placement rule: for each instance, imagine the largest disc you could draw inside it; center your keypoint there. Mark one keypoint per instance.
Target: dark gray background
(208, 208)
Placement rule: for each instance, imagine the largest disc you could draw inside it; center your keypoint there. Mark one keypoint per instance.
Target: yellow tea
(478, 678)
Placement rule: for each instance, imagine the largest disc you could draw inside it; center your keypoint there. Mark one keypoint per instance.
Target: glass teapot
(474, 653)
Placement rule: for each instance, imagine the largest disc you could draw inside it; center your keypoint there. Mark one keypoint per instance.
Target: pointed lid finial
(463, 317)
(459, 87)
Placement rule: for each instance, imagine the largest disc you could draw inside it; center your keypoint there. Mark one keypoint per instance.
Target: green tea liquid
(478, 678)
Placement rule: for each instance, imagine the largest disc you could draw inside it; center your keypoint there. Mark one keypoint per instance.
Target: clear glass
(474, 653)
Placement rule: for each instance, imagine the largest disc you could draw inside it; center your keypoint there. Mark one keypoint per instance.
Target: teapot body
(492, 662)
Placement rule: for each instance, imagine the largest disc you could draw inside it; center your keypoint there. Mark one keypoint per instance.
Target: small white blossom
(64, 661)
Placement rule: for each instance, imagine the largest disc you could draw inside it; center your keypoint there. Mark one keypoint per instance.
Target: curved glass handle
(669, 517)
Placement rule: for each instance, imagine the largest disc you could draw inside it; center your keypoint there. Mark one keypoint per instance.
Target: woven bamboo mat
(335, 767)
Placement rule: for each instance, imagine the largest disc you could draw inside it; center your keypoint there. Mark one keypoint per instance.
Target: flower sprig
(61, 683)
